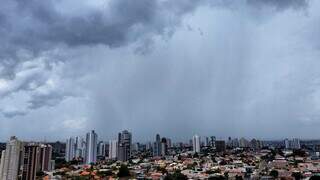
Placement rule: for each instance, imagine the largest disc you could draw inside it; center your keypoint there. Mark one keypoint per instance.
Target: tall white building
(196, 143)
(287, 143)
(70, 149)
(292, 144)
(91, 148)
(101, 149)
(80, 147)
(169, 143)
(2, 162)
(244, 143)
(206, 141)
(296, 143)
(10, 159)
(113, 149)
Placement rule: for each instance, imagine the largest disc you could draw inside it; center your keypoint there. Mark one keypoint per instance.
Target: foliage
(176, 176)
(81, 178)
(104, 173)
(213, 171)
(274, 173)
(40, 174)
(123, 171)
(297, 175)
(162, 170)
(315, 177)
(217, 178)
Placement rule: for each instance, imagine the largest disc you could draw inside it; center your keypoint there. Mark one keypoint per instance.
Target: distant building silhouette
(124, 145)
(164, 147)
(70, 153)
(157, 146)
(220, 145)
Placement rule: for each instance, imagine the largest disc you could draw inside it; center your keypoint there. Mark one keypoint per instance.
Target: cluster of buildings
(89, 150)
(199, 158)
(203, 158)
(292, 144)
(24, 159)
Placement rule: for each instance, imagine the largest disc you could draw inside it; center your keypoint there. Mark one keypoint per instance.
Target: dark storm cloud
(31, 28)
(12, 113)
(198, 83)
(38, 25)
(279, 4)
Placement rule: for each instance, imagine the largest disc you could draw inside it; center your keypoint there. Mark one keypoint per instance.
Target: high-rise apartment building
(113, 149)
(157, 146)
(212, 141)
(196, 143)
(101, 149)
(124, 145)
(70, 149)
(220, 145)
(206, 141)
(80, 147)
(10, 159)
(30, 162)
(287, 143)
(164, 147)
(91, 147)
(169, 143)
(244, 143)
(44, 159)
(2, 162)
(296, 143)
(292, 144)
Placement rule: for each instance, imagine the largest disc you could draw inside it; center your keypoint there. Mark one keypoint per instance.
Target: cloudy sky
(245, 68)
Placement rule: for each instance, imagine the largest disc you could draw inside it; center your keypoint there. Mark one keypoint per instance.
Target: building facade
(30, 162)
(70, 153)
(113, 149)
(11, 159)
(91, 147)
(196, 144)
(124, 145)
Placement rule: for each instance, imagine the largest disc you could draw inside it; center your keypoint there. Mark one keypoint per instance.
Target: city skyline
(79, 141)
(208, 158)
(247, 68)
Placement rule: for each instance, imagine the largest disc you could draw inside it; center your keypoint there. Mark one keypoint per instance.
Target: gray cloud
(279, 4)
(37, 25)
(33, 28)
(119, 23)
(10, 113)
(129, 64)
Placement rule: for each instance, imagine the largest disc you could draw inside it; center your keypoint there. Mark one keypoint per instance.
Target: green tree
(315, 177)
(162, 170)
(297, 175)
(274, 173)
(123, 171)
(217, 178)
(104, 173)
(176, 176)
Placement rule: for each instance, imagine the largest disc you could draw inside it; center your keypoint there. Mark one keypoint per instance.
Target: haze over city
(245, 68)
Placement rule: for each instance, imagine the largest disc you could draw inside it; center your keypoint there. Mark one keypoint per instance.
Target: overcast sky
(239, 68)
